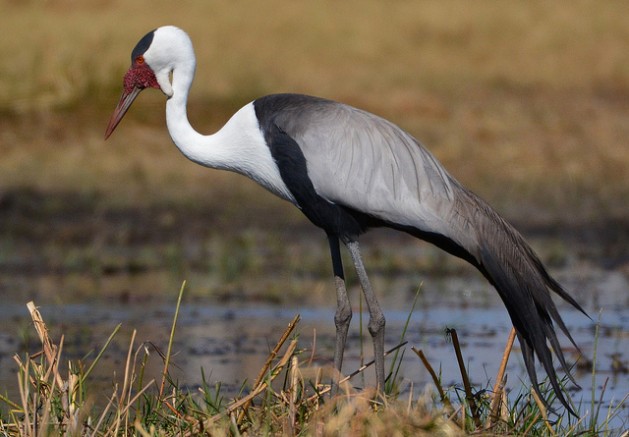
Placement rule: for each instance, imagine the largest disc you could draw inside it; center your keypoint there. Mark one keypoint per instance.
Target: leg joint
(376, 325)
(343, 315)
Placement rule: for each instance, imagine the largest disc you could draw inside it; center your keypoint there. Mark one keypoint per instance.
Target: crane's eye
(139, 60)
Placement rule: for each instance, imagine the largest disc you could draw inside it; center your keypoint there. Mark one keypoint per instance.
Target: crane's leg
(376, 317)
(343, 314)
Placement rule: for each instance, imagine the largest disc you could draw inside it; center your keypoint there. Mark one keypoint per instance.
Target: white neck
(196, 147)
(238, 146)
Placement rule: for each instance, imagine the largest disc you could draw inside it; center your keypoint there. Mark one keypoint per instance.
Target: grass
(288, 397)
(522, 102)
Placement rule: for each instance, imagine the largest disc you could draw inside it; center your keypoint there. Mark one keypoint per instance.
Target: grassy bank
(290, 396)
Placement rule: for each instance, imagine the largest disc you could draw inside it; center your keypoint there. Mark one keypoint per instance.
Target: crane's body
(348, 170)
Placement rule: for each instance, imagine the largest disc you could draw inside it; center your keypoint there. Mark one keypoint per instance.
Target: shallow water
(232, 342)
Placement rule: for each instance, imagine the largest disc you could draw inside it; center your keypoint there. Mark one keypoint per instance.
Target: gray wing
(366, 163)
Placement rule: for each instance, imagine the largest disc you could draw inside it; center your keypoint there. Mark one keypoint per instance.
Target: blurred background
(525, 103)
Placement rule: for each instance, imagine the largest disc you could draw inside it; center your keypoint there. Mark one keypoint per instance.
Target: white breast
(246, 152)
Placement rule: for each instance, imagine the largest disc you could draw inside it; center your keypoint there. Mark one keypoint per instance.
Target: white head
(153, 60)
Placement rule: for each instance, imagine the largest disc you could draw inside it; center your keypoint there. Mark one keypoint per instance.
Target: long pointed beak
(123, 105)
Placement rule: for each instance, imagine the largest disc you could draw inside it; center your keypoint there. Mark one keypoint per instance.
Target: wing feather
(366, 163)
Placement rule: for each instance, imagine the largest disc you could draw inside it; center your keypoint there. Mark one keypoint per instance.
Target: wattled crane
(348, 170)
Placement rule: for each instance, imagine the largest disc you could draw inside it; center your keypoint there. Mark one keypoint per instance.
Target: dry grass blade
(103, 416)
(289, 329)
(293, 392)
(23, 385)
(50, 350)
(263, 372)
(170, 341)
(46, 378)
(125, 410)
(128, 377)
(466, 380)
(51, 404)
(500, 382)
(435, 379)
(125, 399)
(543, 412)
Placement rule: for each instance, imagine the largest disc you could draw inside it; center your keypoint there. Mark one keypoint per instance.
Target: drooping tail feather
(523, 283)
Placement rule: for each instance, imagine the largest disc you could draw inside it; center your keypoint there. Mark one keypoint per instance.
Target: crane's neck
(238, 146)
(191, 143)
(208, 150)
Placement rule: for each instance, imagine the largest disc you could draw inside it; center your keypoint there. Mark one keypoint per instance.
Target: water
(232, 342)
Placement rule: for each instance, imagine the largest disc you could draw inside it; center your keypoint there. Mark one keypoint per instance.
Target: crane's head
(152, 61)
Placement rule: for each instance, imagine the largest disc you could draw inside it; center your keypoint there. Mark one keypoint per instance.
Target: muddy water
(231, 342)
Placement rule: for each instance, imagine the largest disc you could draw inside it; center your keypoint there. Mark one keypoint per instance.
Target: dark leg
(376, 317)
(343, 314)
